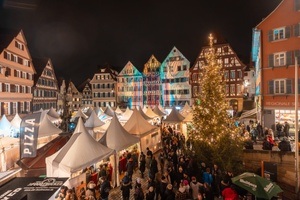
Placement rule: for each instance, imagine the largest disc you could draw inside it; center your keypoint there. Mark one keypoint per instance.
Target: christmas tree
(214, 134)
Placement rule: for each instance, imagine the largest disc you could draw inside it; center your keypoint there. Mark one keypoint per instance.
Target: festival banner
(29, 135)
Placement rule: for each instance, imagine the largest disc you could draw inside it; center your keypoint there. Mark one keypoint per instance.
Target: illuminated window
(279, 59)
(19, 45)
(279, 34)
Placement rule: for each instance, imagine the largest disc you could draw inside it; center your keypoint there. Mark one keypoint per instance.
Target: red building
(276, 44)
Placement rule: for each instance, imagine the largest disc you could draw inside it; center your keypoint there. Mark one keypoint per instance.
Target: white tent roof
(109, 111)
(53, 113)
(98, 111)
(16, 121)
(116, 137)
(149, 112)
(80, 114)
(118, 110)
(79, 152)
(145, 108)
(93, 121)
(189, 117)
(158, 111)
(185, 110)
(126, 115)
(47, 128)
(89, 111)
(138, 125)
(174, 117)
(146, 117)
(4, 123)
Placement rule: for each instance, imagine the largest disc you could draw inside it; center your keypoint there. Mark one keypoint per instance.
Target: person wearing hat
(285, 144)
(181, 193)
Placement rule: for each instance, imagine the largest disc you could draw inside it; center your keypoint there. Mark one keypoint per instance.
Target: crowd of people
(172, 175)
(255, 131)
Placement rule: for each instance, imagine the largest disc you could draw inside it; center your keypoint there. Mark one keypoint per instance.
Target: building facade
(233, 73)
(275, 48)
(16, 73)
(104, 84)
(174, 75)
(74, 97)
(130, 87)
(87, 95)
(45, 87)
(152, 82)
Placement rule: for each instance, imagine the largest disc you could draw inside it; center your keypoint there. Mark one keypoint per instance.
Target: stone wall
(286, 175)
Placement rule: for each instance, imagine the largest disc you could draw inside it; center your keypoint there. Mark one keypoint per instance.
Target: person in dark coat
(284, 145)
(153, 168)
(130, 167)
(142, 164)
(126, 186)
(105, 188)
(169, 193)
(150, 194)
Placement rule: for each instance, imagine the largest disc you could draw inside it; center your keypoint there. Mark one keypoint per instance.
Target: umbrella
(257, 185)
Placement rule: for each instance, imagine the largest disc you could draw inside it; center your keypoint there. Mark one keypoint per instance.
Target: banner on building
(29, 134)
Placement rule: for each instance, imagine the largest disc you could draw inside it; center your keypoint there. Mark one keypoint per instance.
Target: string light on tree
(214, 130)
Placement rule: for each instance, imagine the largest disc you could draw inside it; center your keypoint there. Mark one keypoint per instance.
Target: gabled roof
(152, 65)
(83, 84)
(133, 72)
(116, 137)
(39, 65)
(264, 19)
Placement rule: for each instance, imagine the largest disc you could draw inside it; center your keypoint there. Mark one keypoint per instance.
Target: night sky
(80, 35)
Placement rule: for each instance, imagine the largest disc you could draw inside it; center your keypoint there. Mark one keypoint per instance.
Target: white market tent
(118, 111)
(109, 111)
(53, 113)
(47, 128)
(5, 127)
(93, 124)
(16, 124)
(174, 117)
(186, 110)
(149, 135)
(126, 115)
(117, 138)
(149, 112)
(89, 111)
(81, 151)
(146, 117)
(79, 114)
(157, 111)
